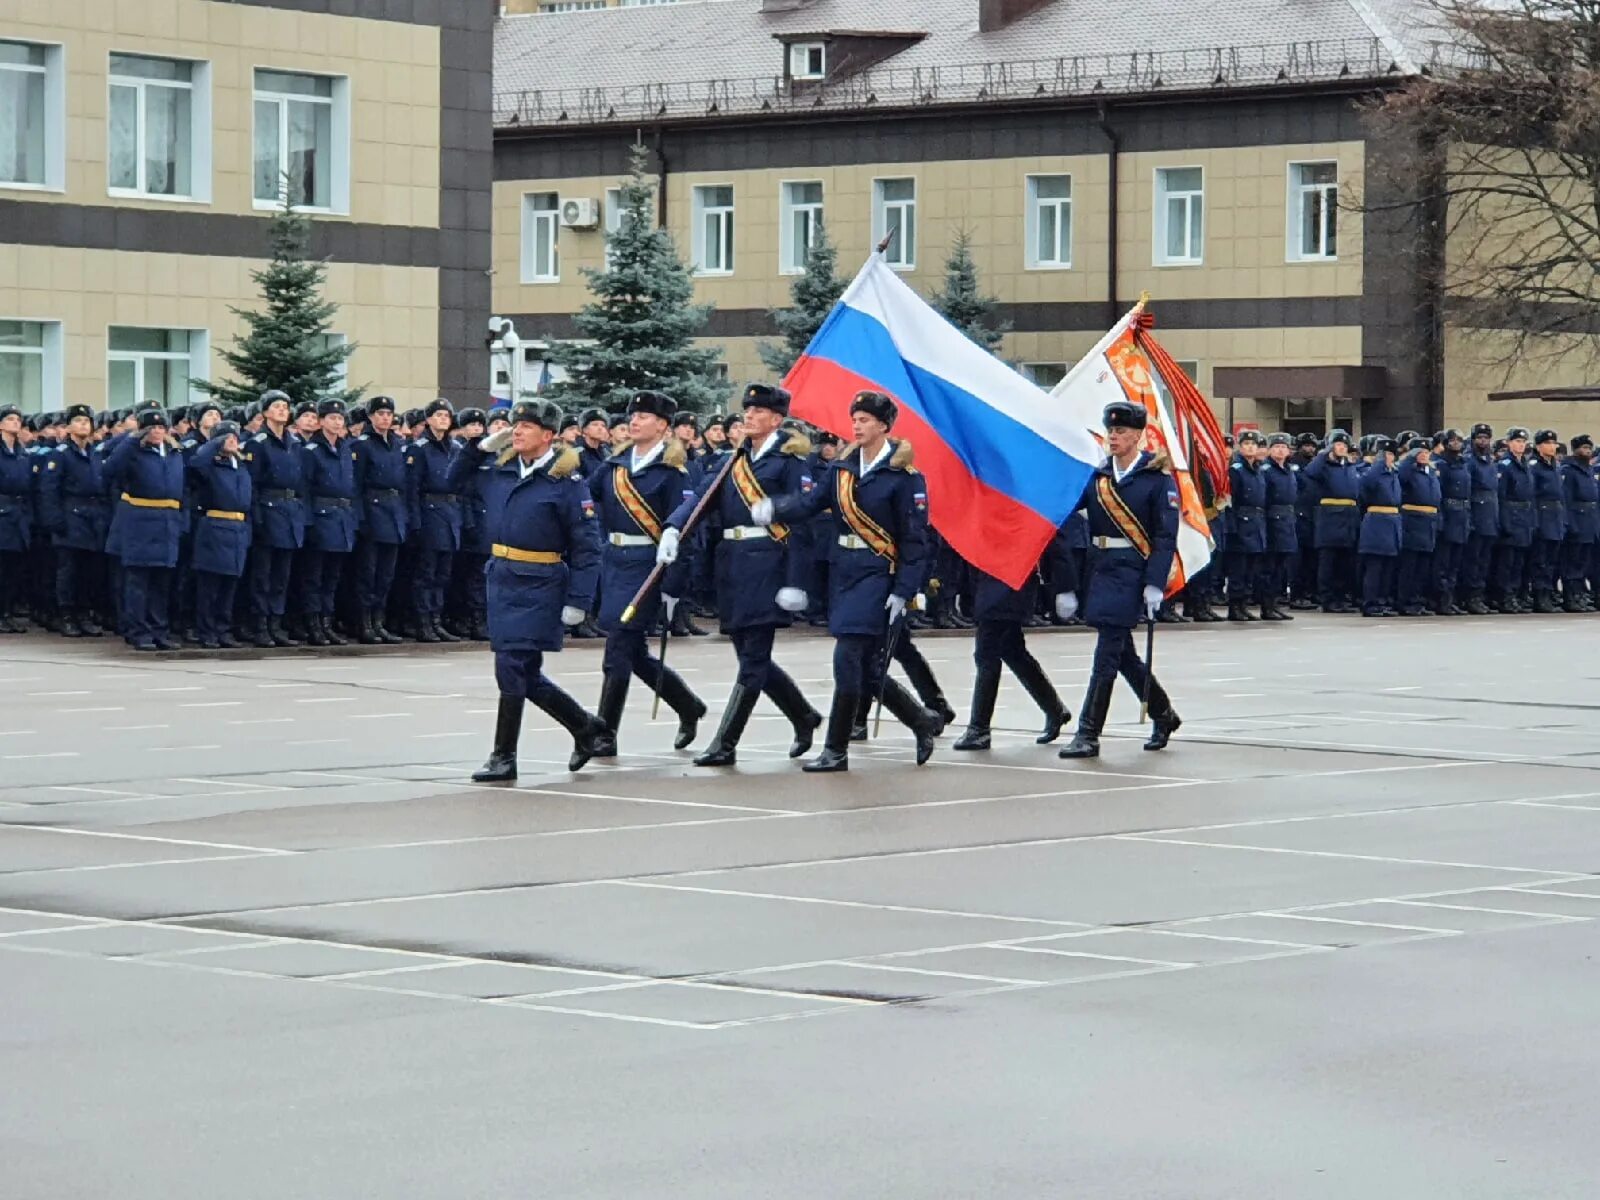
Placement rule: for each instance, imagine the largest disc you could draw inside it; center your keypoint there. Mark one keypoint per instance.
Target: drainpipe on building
(1114, 148)
(661, 180)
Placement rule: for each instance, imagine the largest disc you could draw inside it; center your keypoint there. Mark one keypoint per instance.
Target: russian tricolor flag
(1005, 464)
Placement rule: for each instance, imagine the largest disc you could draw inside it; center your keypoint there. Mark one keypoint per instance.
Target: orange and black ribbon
(1121, 515)
(869, 531)
(751, 492)
(638, 508)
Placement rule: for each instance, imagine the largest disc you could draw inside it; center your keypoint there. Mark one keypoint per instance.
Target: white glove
(667, 547)
(1067, 605)
(919, 602)
(791, 600)
(895, 606)
(670, 603)
(761, 512)
(495, 442)
(572, 616)
(1152, 601)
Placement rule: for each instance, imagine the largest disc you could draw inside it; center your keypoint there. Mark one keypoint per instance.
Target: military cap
(471, 416)
(1582, 439)
(73, 412)
(357, 414)
(686, 418)
(537, 412)
(1482, 429)
(152, 417)
(1339, 435)
(237, 415)
(1515, 432)
(271, 396)
(1250, 435)
(716, 420)
(1384, 445)
(225, 429)
(39, 422)
(1545, 435)
(304, 407)
(828, 438)
(1452, 435)
(618, 418)
(9, 410)
(1306, 439)
(497, 405)
(568, 422)
(380, 404)
(1125, 415)
(414, 416)
(876, 405)
(1418, 442)
(1280, 439)
(590, 415)
(1405, 435)
(765, 395)
(653, 404)
(108, 419)
(331, 408)
(441, 405)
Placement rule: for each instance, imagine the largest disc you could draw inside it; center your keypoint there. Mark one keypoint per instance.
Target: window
(801, 223)
(808, 60)
(1044, 375)
(541, 227)
(30, 365)
(158, 118)
(302, 139)
(1190, 367)
(612, 217)
(1049, 220)
(153, 364)
(334, 341)
(713, 230)
(894, 211)
(1180, 201)
(558, 6)
(32, 116)
(1313, 209)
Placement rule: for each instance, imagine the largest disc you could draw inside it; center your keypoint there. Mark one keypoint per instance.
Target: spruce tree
(962, 303)
(642, 320)
(285, 345)
(815, 293)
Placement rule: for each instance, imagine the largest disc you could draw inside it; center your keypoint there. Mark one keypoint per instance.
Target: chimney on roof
(997, 14)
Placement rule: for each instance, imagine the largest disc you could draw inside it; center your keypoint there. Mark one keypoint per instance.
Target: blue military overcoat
(150, 508)
(16, 497)
(1549, 500)
(1516, 501)
(1485, 475)
(1283, 493)
(435, 501)
(223, 489)
(1118, 576)
(1380, 516)
(661, 485)
(72, 497)
(1419, 505)
(1246, 516)
(332, 511)
(1338, 522)
(1455, 497)
(1582, 495)
(381, 474)
(277, 474)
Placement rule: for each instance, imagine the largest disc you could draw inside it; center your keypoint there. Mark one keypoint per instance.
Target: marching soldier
(277, 477)
(436, 518)
(330, 471)
(1132, 504)
(1517, 522)
(1550, 521)
(541, 576)
(1419, 526)
(1582, 495)
(380, 458)
(1477, 556)
(16, 514)
(1338, 521)
(1283, 527)
(150, 476)
(1379, 545)
(761, 570)
(635, 491)
(594, 440)
(221, 533)
(73, 507)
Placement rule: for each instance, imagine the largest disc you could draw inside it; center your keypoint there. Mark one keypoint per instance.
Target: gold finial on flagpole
(1144, 299)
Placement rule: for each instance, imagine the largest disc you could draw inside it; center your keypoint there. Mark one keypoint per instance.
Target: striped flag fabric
(1005, 466)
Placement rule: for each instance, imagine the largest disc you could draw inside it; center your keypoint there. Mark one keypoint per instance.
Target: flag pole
(1149, 669)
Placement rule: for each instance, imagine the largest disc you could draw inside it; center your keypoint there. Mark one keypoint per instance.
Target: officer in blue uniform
(278, 525)
(1455, 520)
(1484, 532)
(73, 506)
(877, 564)
(1307, 494)
(1132, 503)
(149, 473)
(1338, 523)
(436, 518)
(1582, 495)
(762, 570)
(1246, 519)
(467, 606)
(1419, 526)
(594, 441)
(332, 515)
(223, 492)
(380, 457)
(1517, 522)
(1379, 546)
(635, 490)
(1283, 526)
(16, 514)
(1550, 521)
(541, 576)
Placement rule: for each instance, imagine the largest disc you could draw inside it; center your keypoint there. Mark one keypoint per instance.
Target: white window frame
(199, 89)
(1193, 365)
(1036, 206)
(55, 116)
(895, 256)
(1299, 195)
(801, 64)
(724, 217)
(339, 135)
(1194, 198)
(537, 222)
(51, 379)
(790, 261)
(198, 357)
(611, 218)
(342, 371)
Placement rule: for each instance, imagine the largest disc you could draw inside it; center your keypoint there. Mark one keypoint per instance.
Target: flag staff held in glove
(1132, 506)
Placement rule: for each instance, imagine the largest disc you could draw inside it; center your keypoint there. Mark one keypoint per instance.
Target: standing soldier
(1455, 520)
(1303, 587)
(1419, 526)
(221, 533)
(1550, 521)
(435, 517)
(1583, 525)
(277, 478)
(72, 504)
(380, 457)
(1477, 555)
(1338, 524)
(761, 570)
(1132, 503)
(594, 440)
(542, 574)
(1247, 525)
(635, 491)
(470, 604)
(1517, 522)
(330, 471)
(1283, 527)
(149, 474)
(1379, 546)
(16, 514)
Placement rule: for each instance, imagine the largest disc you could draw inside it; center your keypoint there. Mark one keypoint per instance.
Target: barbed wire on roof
(885, 86)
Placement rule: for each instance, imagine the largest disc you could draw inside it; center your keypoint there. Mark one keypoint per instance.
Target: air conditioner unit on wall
(580, 214)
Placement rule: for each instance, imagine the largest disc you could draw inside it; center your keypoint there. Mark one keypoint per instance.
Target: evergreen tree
(815, 293)
(642, 320)
(285, 346)
(963, 304)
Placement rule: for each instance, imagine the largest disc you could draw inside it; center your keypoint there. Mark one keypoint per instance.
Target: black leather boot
(379, 628)
(689, 707)
(438, 628)
(1096, 704)
(858, 731)
(502, 764)
(280, 636)
(721, 752)
(683, 624)
(923, 722)
(90, 626)
(260, 634)
(69, 625)
(835, 754)
(369, 635)
(792, 703)
(613, 698)
(1165, 725)
(926, 686)
(333, 635)
(1043, 693)
(316, 635)
(985, 691)
(584, 726)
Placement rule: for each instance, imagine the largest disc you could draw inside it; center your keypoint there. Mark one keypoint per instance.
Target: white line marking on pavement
(1509, 912)
(283, 685)
(1300, 916)
(906, 908)
(212, 704)
(140, 837)
(320, 742)
(1149, 962)
(792, 812)
(873, 965)
(37, 695)
(327, 700)
(1417, 862)
(133, 728)
(53, 754)
(68, 787)
(187, 688)
(263, 721)
(73, 712)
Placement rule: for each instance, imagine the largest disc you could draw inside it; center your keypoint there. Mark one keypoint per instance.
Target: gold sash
(1121, 515)
(863, 526)
(638, 508)
(751, 492)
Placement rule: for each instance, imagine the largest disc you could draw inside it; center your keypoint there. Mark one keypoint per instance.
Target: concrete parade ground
(261, 938)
